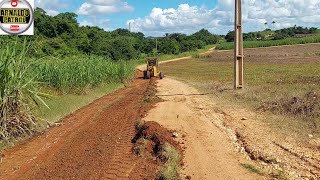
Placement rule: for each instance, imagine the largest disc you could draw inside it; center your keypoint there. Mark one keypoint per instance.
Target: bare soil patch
(208, 151)
(280, 55)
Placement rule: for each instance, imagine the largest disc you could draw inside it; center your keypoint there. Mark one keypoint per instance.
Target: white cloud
(93, 21)
(86, 23)
(104, 2)
(182, 19)
(52, 7)
(52, 4)
(189, 19)
(95, 7)
(51, 12)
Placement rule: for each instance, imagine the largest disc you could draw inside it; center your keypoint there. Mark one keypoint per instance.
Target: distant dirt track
(92, 143)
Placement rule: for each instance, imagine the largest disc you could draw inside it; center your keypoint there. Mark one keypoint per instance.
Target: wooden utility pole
(238, 47)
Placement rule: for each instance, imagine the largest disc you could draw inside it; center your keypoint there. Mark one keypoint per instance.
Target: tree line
(268, 34)
(61, 35)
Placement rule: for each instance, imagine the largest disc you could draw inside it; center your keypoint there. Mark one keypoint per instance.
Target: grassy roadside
(281, 81)
(63, 105)
(185, 54)
(165, 57)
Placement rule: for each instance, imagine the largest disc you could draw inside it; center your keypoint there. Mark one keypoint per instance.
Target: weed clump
(306, 106)
(252, 168)
(172, 163)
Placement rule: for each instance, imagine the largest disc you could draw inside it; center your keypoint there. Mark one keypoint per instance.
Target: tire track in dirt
(122, 157)
(92, 143)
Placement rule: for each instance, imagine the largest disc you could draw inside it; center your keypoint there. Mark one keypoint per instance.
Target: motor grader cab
(152, 69)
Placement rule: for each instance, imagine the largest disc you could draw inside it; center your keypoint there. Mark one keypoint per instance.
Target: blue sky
(157, 17)
(143, 7)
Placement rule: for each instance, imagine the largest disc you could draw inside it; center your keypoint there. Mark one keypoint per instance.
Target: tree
(44, 24)
(168, 46)
(313, 30)
(123, 49)
(147, 46)
(66, 23)
(273, 23)
(205, 36)
(266, 25)
(230, 36)
(191, 45)
(178, 37)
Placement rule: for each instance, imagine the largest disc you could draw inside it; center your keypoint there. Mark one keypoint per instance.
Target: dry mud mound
(154, 142)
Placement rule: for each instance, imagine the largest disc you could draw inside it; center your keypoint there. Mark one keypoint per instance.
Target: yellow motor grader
(152, 69)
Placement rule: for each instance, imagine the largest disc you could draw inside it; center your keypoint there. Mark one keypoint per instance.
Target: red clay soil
(92, 143)
(157, 137)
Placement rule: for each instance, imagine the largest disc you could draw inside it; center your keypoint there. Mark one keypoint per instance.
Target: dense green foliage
(292, 31)
(75, 74)
(62, 36)
(268, 34)
(256, 44)
(251, 36)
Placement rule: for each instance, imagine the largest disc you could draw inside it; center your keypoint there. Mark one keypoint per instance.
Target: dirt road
(209, 153)
(95, 141)
(92, 143)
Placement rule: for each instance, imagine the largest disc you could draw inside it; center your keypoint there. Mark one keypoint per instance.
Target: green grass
(256, 44)
(274, 78)
(252, 168)
(63, 105)
(171, 168)
(185, 54)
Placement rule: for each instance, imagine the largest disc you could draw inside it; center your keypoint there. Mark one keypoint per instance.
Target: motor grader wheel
(148, 75)
(144, 74)
(161, 75)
